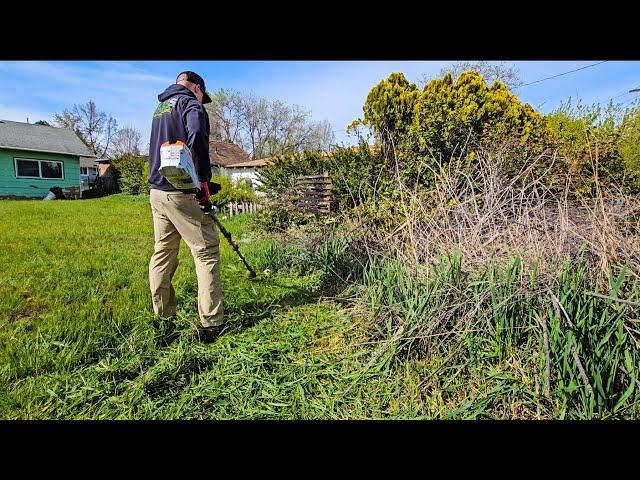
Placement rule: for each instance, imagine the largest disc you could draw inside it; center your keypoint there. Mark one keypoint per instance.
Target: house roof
(261, 162)
(88, 162)
(223, 154)
(41, 138)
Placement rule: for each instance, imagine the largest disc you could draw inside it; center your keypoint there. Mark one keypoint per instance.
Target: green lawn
(78, 339)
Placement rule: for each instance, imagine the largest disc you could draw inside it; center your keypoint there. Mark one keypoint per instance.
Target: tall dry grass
(488, 215)
(509, 284)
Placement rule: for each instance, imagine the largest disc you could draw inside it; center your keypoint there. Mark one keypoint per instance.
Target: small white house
(248, 170)
(229, 159)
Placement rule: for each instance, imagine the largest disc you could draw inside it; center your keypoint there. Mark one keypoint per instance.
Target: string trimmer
(211, 211)
(177, 167)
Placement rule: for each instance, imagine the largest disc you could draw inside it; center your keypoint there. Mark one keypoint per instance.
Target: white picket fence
(234, 208)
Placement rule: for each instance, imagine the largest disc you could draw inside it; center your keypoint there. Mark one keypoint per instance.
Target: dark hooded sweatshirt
(179, 116)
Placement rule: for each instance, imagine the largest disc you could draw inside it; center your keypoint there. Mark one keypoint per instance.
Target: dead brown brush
(490, 216)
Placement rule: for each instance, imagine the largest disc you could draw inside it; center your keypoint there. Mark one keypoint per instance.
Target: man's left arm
(198, 138)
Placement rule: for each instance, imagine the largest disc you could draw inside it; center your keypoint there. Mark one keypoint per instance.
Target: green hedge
(132, 174)
(232, 191)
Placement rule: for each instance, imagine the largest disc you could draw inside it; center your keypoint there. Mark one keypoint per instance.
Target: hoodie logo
(165, 107)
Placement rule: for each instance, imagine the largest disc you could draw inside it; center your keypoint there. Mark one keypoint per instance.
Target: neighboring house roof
(223, 154)
(261, 162)
(41, 138)
(88, 162)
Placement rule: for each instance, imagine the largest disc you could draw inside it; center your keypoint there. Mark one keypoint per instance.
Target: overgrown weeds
(491, 275)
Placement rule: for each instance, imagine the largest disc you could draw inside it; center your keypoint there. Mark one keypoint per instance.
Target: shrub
(599, 145)
(132, 174)
(425, 129)
(629, 145)
(577, 130)
(280, 174)
(232, 191)
(357, 173)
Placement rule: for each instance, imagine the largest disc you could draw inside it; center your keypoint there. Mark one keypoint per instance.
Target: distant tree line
(260, 126)
(265, 127)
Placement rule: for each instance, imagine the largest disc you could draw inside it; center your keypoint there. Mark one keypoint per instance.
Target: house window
(84, 171)
(51, 169)
(28, 168)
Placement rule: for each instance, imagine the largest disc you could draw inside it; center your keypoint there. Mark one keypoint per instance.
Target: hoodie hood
(175, 89)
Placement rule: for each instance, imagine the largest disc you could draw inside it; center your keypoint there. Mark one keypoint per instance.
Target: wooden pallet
(313, 193)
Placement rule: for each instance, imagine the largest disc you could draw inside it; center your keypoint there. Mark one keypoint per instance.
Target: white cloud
(123, 91)
(77, 84)
(18, 114)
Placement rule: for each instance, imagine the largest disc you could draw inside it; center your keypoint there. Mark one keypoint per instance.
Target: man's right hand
(204, 194)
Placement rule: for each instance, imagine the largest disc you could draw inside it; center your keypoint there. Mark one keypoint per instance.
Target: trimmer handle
(205, 186)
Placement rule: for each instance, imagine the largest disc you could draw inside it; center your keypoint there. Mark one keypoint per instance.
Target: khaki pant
(177, 215)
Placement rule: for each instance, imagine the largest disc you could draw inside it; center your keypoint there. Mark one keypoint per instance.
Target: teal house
(34, 158)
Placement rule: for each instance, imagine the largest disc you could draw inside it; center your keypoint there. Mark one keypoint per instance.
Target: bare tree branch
(263, 127)
(92, 126)
(126, 142)
(492, 72)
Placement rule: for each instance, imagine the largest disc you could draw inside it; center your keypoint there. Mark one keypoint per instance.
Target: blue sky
(331, 90)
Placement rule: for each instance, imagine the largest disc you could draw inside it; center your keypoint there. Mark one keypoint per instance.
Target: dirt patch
(25, 314)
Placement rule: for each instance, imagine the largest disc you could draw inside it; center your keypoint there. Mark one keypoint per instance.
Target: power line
(631, 101)
(626, 92)
(565, 73)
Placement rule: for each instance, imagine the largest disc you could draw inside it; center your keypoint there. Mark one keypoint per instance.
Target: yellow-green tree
(451, 115)
(390, 108)
(447, 120)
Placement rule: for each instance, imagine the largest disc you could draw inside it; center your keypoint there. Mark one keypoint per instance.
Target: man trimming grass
(180, 116)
